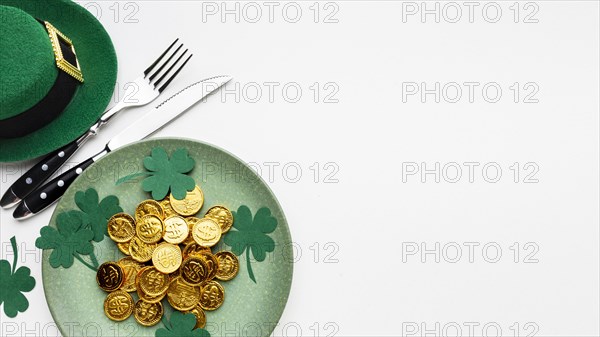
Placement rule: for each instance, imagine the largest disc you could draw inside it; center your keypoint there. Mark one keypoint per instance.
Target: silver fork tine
(169, 70)
(147, 71)
(164, 64)
(175, 74)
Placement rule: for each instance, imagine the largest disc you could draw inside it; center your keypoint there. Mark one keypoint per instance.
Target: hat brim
(98, 63)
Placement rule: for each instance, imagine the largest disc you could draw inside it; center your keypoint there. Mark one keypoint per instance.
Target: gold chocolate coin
(153, 282)
(110, 276)
(150, 228)
(137, 277)
(200, 316)
(176, 229)
(182, 296)
(167, 257)
(151, 207)
(190, 205)
(194, 270)
(167, 208)
(147, 314)
(118, 305)
(191, 221)
(142, 294)
(206, 232)
(212, 295)
(194, 249)
(121, 227)
(228, 265)
(130, 268)
(211, 262)
(222, 216)
(148, 298)
(175, 274)
(123, 247)
(141, 251)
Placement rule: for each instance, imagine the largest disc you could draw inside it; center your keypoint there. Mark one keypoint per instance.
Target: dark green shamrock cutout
(181, 325)
(96, 215)
(14, 282)
(70, 241)
(251, 235)
(166, 174)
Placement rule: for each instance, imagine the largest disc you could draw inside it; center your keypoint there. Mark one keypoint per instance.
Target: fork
(149, 88)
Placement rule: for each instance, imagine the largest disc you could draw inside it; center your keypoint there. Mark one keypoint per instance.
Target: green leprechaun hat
(58, 71)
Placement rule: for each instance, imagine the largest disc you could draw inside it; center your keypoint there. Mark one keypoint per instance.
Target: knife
(148, 124)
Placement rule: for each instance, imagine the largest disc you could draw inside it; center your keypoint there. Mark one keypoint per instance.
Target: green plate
(250, 308)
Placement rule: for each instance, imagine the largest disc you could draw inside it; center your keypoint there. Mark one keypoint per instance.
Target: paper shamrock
(166, 174)
(96, 215)
(251, 235)
(14, 282)
(181, 325)
(70, 241)
(77, 228)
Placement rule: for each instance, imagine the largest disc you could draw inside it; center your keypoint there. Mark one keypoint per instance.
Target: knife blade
(154, 120)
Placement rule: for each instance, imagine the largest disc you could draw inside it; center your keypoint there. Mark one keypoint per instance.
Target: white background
(356, 220)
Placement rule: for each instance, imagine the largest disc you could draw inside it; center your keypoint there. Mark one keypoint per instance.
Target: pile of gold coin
(169, 255)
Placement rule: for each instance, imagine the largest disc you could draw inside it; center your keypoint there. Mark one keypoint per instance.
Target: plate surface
(250, 309)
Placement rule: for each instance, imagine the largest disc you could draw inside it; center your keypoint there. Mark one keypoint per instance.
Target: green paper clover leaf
(181, 325)
(251, 235)
(70, 240)
(168, 174)
(96, 215)
(13, 283)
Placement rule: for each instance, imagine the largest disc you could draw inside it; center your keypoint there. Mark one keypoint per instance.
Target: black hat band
(57, 98)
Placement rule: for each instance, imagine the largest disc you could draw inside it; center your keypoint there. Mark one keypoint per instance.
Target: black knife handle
(43, 170)
(46, 195)
(49, 193)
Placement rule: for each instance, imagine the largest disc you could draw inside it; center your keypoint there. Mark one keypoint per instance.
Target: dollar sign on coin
(150, 228)
(206, 232)
(228, 265)
(147, 314)
(121, 227)
(194, 270)
(153, 282)
(212, 295)
(167, 257)
(176, 229)
(118, 305)
(110, 276)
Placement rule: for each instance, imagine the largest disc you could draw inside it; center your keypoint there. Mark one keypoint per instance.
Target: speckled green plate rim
(246, 305)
